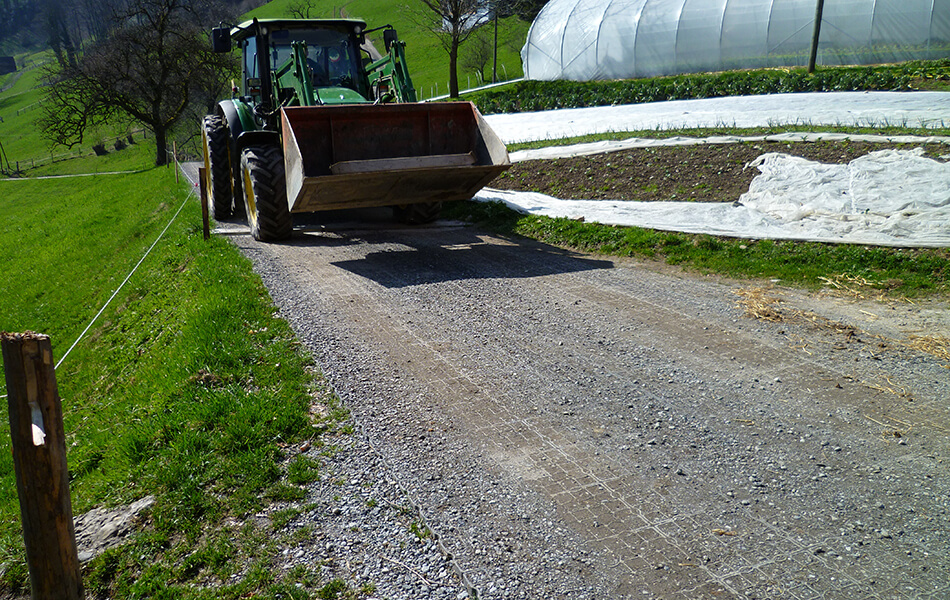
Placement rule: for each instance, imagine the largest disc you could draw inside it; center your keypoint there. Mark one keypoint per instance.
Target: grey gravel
(568, 426)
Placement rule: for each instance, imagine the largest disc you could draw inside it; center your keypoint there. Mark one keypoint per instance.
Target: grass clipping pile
(763, 303)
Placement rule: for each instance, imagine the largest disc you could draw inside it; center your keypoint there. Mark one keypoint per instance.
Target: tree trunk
(161, 146)
(453, 69)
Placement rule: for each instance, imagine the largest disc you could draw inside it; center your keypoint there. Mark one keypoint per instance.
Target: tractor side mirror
(389, 36)
(221, 39)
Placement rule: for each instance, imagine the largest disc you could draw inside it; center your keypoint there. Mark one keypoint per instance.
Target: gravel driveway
(532, 423)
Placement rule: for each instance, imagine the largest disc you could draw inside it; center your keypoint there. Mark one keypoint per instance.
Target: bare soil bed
(707, 173)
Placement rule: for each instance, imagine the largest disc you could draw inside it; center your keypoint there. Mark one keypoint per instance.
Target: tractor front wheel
(418, 214)
(217, 163)
(265, 193)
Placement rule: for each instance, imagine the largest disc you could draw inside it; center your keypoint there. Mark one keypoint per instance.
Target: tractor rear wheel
(217, 163)
(265, 193)
(418, 214)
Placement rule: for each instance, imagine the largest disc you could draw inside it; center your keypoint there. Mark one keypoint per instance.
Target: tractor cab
(308, 62)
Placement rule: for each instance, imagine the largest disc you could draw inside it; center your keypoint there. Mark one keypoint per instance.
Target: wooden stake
(202, 193)
(39, 458)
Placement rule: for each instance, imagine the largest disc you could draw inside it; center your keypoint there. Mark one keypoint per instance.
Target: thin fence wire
(121, 285)
(122, 142)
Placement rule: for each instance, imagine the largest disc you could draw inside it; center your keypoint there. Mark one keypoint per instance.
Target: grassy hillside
(186, 388)
(19, 107)
(428, 61)
(24, 148)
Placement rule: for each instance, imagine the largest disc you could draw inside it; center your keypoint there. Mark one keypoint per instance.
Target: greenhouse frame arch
(620, 39)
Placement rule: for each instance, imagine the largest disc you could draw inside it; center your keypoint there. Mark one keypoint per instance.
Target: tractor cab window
(331, 55)
(250, 57)
(252, 81)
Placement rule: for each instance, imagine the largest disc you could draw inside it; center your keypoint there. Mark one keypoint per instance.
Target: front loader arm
(392, 73)
(295, 75)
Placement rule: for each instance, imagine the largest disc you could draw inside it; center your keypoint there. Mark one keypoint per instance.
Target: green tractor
(323, 121)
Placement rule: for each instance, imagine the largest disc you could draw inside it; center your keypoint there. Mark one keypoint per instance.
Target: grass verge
(892, 271)
(188, 387)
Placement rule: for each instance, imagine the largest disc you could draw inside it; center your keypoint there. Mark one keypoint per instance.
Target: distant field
(19, 108)
(25, 149)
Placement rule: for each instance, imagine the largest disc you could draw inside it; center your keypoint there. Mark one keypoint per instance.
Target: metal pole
(814, 37)
(494, 69)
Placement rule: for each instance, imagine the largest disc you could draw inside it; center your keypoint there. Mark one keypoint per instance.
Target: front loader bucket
(360, 155)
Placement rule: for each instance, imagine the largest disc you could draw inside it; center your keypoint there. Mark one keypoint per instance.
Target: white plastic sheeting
(616, 39)
(855, 109)
(887, 198)
(895, 199)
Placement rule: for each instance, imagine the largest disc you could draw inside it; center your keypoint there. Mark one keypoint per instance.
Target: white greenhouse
(618, 39)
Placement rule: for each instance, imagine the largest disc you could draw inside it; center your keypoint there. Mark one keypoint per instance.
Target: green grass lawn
(885, 271)
(187, 387)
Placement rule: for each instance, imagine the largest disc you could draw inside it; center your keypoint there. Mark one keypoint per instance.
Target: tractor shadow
(399, 255)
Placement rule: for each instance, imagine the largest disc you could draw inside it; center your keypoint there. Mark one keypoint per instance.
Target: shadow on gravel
(416, 257)
(403, 255)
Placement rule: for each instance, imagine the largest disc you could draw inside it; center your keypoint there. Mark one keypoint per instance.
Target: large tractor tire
(265, 193)
(219, 195)
(418, 214)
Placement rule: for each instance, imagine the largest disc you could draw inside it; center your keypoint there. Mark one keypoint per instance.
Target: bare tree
(526, 10)
(150, 70)
(478, 53)
(454, 21)
(300, 9)
(96, 16)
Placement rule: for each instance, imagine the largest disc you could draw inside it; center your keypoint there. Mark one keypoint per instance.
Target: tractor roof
(245, 29)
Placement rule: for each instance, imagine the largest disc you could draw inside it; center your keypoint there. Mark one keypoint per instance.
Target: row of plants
(532, 95)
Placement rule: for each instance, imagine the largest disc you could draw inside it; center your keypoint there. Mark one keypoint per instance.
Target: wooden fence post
(39, 457)
(202, 190)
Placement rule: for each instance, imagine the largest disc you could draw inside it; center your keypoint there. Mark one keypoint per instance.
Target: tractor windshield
(331, 55)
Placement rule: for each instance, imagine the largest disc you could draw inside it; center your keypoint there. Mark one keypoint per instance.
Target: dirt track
(576, 427)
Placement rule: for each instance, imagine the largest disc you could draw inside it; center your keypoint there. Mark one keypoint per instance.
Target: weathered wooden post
(202, 191)
(39, 457)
